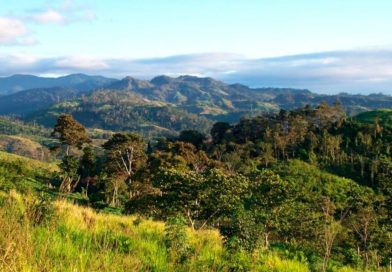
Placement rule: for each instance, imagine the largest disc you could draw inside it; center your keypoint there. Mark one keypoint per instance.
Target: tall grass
(37, 235)
(79, 239)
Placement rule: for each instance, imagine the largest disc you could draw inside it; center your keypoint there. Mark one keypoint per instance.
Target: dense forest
(311, 184)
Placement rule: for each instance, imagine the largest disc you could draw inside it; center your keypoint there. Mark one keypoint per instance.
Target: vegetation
(162, 106)
(301, 190)
(384, 117)
(124, 111)
(23, 146)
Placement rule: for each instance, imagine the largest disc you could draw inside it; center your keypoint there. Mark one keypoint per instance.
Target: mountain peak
(161, 80)
(129, 83)
(202, 81)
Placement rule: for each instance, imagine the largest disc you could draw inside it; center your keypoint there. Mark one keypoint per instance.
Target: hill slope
(81, 82)
(166, 105)
(44, 234)
(383, 116)
(124, 110)
(27, 101)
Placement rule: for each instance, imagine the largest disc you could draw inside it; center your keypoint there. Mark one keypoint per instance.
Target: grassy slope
(79, 239)
(23, 146)
(384, 116)
(60, 236)
(28, 164)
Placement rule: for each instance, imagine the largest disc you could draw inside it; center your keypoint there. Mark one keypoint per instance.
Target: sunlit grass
(76, 238)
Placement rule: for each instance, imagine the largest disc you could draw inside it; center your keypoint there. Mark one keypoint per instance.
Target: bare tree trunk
(190, 219)
(266, 240)
(115, 194)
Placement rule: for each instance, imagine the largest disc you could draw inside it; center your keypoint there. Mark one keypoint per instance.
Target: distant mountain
(353, 104)
(211, 97)
(28, 101)
(202, 95)
(80, 82)
(121, 110)
(166, 105)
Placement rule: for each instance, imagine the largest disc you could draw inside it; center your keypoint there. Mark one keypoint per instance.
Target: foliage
(177, 240)
(306, 189)
(70, 132)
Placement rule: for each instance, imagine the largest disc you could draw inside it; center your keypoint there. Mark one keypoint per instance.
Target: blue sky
(256, 42)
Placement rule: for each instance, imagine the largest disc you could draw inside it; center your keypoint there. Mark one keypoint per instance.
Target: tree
(69, 174)
(266, 156)
(202, 198)
(333, 224)
(192, 136)
(87, 166)
(70, 132)
(363, 222)
(180, 193)
(268, 193)
(218, 132)
(125, 155)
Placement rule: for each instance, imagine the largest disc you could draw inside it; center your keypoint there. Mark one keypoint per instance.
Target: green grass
(77, 238)
(25, 175)
(384, 116)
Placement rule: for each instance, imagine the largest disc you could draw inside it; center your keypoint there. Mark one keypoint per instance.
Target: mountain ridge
(81, 82)
(167, 103)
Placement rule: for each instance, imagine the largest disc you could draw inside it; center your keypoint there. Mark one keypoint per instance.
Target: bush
(177, 240)
(39, 211)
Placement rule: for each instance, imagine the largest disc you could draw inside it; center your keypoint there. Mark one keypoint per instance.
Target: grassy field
(42, 233)
(74, 238)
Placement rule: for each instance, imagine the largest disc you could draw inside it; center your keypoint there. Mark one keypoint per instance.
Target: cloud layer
(328, 72)
(11, 30)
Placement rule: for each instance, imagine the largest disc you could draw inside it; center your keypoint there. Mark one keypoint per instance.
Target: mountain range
(163, 105)
(80, 82)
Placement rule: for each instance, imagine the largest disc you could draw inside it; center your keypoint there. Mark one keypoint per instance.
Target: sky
(326, 46)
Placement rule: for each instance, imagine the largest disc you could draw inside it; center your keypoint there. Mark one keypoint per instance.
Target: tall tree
(125, 155)
(70, 132)
(87, 167)
(192, 136)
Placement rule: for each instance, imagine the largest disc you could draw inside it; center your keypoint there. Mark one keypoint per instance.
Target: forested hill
(163, 105)
(34, 99)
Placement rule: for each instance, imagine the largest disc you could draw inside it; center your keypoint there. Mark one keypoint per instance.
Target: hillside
(122, 110)
(12, 126)
(302, 190)
(23, 146)
(208, 96)
(28, 101)
(166, 105)
(80, 82)
(383, 116)
(80, 239)
(41, 232)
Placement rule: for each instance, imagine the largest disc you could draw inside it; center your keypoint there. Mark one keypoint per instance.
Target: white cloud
(81, 62)
(11, 30)
(65, 13)
(48, 16)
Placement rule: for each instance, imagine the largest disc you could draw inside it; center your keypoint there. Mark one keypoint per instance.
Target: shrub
(177, 240)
